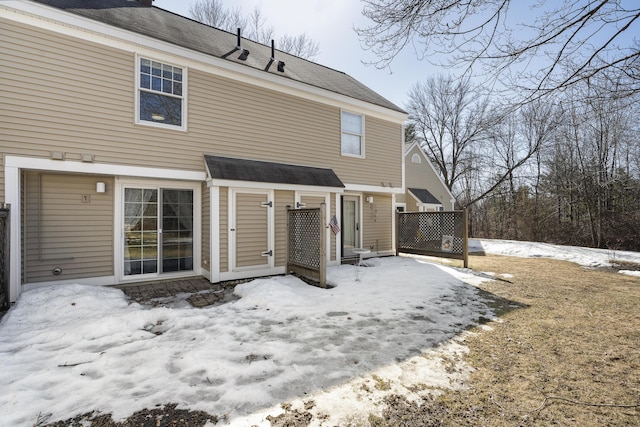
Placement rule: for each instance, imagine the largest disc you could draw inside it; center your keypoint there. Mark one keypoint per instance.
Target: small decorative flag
(333, 224)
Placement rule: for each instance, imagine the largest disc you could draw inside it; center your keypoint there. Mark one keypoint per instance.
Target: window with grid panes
(352, 134)
(160, 93)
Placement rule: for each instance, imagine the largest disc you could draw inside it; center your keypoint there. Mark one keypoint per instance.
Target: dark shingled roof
(424, 196)
(278, 173)
(163, 25)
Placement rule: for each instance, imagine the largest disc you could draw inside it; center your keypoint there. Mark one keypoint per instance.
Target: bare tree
(300, 45)
(214, 13)
(448, 118)
(257, 29)
(477, 147)
(550, 46)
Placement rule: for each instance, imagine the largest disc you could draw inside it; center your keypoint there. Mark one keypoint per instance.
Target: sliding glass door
(158, 230)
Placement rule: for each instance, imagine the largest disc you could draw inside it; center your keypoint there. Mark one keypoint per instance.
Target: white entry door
(250, 232)
(350, 225)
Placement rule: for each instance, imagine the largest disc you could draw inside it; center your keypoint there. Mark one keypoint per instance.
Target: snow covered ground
(70, 349)
(587, 257)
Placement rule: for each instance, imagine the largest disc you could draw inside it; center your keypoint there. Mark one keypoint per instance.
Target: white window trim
(118, 234)
(214, 236)
(429, 207)
(185, 76)
(362, 136)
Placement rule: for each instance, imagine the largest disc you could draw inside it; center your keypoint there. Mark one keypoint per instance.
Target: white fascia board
(102, 168)
(52, 19)
(418, 201)
(271, 186)
(373, 189)
(408, 148)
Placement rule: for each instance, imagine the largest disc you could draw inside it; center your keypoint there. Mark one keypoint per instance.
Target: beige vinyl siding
(288, 129)
(312, 201)
(422, 175)
(206, 228)
(224, 229)
(377, 220)
(282, 200)
(63, 231)
(252, 228)
(64, 94)
(383, 150)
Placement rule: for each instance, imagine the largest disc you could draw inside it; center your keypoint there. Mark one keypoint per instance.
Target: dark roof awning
(424, 196)
(231, 169)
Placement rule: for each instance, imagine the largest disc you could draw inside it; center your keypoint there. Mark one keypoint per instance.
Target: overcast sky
(331, 23)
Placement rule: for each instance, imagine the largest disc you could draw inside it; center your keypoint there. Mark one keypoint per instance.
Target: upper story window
(160, 94)
(352, 134)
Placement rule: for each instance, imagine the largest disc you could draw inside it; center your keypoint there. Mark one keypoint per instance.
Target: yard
(568, 355)
(412, 343)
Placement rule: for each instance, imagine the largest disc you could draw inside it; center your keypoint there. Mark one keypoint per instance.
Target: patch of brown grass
(570, 356)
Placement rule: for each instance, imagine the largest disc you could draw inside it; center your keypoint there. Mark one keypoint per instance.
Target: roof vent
(244, 53)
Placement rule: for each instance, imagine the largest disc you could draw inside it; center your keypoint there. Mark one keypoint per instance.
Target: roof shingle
(424, 196)
(169, 27)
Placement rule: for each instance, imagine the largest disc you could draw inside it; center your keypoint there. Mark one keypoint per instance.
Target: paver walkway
(201, 292)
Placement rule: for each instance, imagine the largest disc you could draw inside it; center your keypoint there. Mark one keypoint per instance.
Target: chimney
(146, 2)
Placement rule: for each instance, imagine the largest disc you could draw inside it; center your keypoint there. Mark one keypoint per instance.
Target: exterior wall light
(101, 187)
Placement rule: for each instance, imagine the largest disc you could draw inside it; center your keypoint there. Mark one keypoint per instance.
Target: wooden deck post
(397, 242)
(287, 267)
(465, 237)
(323, 246)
